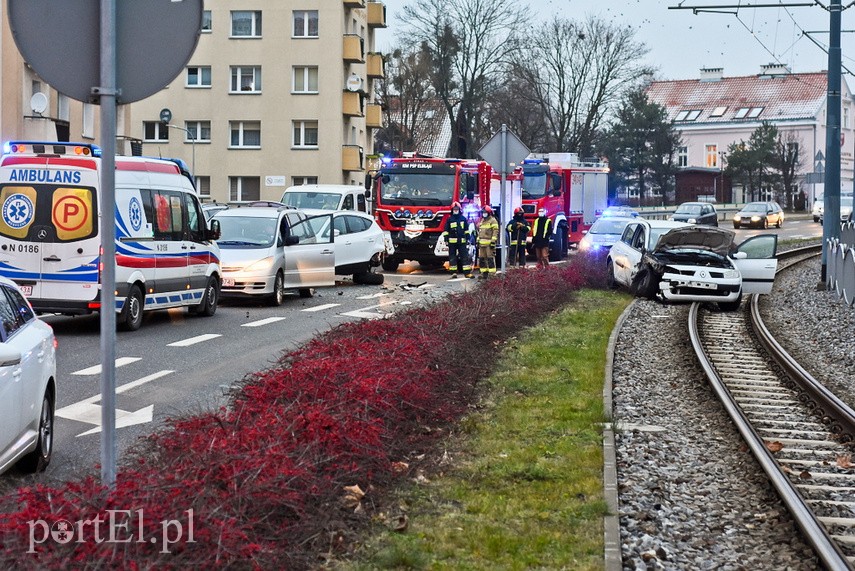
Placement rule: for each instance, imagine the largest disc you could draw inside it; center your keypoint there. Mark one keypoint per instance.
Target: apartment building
(276, 94)
(714, 111)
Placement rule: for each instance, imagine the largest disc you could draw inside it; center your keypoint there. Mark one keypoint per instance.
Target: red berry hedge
(270, 482)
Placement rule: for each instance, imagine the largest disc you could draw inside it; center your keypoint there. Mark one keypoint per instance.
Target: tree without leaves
(574, 73)
(641, 144)
(789, 160)
(469, 41)
(404, 95)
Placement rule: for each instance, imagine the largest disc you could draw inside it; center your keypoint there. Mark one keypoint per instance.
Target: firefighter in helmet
(518, 230)
(456, 235)
(488, 235)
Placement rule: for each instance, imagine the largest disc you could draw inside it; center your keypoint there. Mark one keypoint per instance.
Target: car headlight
(737, 218)
(670, 218)
(755, 219)
(731, 274)
(585, 244)
(260, 265)
(692, 221)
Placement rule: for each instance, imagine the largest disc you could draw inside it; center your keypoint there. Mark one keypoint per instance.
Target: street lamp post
(192, 144)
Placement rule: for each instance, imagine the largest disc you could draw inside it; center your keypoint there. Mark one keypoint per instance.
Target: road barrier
(840, 264)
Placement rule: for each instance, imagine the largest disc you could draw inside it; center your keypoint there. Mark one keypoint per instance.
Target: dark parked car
(696, 213)
(759, 214)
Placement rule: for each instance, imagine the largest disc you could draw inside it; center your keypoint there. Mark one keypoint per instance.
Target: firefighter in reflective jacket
(540, 232)
(488, 235)
(518, 230)
(456, 235)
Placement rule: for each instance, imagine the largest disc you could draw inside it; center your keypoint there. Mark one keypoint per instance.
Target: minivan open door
(756, 260)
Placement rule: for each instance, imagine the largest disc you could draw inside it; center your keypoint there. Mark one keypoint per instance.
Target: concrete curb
(611, 522)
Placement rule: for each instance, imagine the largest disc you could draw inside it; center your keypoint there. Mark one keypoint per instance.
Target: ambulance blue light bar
(532, 161)
(51, 148)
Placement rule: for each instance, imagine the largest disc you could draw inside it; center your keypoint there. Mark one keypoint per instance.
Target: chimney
(774, 70)
(711, 73)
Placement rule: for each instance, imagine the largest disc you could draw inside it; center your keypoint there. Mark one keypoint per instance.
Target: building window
(306, 134)
(688, 115)
(301, 180)
(845, 116)
(88, 121)
(246, 79)
(305, 79)
(711, 156)
(245, 134)
(682, 156)
(741, 113)
(199, 76)
(155, 132)
(198, 131)
(246, 24)
(206, 21)
(63, 107)
(718, 111)
(203, 186)
(754, 112)
(244, 188)
(305, 23)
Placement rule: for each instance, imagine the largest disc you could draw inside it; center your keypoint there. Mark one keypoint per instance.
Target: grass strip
(520, 486)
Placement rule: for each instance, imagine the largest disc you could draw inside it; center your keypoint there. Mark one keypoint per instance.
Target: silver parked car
(268, 250)
(27, 383)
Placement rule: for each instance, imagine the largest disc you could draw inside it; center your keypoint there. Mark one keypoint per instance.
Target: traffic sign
(492, 151)
(61, 41)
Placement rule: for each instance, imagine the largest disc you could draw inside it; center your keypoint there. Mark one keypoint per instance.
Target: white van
(327, 197)
(50, 199)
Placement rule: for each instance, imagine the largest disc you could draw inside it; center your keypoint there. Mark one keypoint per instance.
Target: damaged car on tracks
(677, 262)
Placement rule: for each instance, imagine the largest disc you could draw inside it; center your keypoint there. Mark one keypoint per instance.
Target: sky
(681, 42)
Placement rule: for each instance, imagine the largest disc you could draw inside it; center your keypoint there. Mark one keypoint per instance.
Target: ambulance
(50, 204)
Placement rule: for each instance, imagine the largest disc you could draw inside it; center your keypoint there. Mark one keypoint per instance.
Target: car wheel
(208, 306)
(735, 226)
(306, 292)
(38, 459)
(130, 319)
(780, 221)
(816, 218)
(368, 278)
(278, 296)
(390, 264)
(611, 282)
(765, 224)
(731, 305)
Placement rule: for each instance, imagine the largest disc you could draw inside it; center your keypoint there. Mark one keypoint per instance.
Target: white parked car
(360, 246)
(267, 250)
(679, 262)
(27, 383)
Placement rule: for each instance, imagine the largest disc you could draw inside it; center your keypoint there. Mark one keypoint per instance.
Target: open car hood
(713, 239)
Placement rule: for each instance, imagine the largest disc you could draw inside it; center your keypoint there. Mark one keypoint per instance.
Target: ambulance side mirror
(214, 232)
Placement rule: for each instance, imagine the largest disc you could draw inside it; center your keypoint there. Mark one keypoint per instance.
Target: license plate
(27, 290)
(703, 285)
(227, 282)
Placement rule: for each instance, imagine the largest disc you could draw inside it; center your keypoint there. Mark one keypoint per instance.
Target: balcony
(373, 116)
(376, 15)
(351, 104)
(354, 49)
(354, 3)
(351, 158)
(375, 65)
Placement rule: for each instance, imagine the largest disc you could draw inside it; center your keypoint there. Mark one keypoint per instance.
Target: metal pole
(831, 200)
(506, 198)
(107, 94)
(192, 144)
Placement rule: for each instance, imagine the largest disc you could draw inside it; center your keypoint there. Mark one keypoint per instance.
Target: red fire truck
(413, 198)
(573, 193)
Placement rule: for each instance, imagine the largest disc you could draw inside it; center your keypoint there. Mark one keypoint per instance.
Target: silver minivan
(266, 251)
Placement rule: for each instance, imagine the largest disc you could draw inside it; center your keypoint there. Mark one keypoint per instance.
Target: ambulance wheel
(130, 319)
(208, 307)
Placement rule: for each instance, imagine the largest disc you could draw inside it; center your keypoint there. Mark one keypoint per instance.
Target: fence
(840, 264)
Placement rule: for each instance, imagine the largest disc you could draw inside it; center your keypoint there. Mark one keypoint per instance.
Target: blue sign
(18, 211)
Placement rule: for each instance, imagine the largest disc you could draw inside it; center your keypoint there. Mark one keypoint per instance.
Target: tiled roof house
(713, 111)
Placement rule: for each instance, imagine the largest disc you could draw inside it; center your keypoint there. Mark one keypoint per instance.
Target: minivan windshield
(316, 200)
(246, 231)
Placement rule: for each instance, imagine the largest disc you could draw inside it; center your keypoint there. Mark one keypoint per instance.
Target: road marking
(88, 412)
(261, 322)
(372, 296)
(322, 307)
(365, 314)
(96, 370)
(194, 340)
